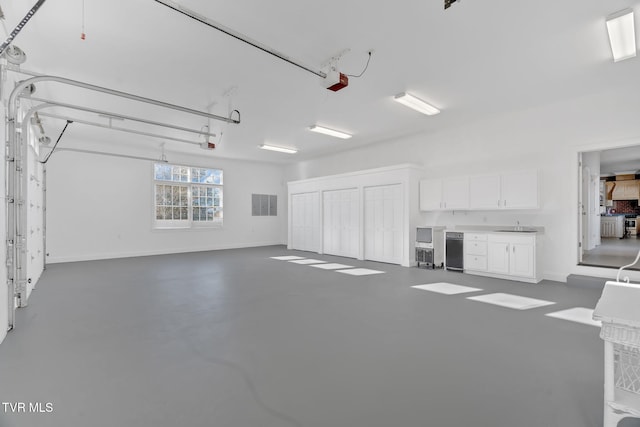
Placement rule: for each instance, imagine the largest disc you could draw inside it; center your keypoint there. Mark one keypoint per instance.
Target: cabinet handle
(498, 203)
(506, 248)
(514, 249)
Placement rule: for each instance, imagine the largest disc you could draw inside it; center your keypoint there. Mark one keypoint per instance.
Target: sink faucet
(518, 227)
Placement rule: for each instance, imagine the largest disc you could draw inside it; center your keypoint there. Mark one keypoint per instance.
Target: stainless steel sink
(511, 230)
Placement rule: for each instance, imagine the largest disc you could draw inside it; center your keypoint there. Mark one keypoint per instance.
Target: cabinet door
(455, 193)
(431, 195)
(520, 190)
(340, 223)
(383, 223)
(498, 257)
(522, 260)
(484, 192)
(630, 189)
(305, 221)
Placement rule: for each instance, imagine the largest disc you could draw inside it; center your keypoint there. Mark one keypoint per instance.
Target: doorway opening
(609, 207)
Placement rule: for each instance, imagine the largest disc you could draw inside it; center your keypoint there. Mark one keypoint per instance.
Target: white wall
(102, 207)
(547, 138)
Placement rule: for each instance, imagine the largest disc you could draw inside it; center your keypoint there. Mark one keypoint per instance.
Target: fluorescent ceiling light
(622, 34)
(416, 103)
(279, 149)
(330, 132)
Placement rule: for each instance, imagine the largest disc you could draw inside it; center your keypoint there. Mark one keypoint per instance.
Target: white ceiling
(620, 160)
(477, 59)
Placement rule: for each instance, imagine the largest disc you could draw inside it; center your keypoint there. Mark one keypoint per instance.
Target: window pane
(159, 213)
(217, 176)
(168, 213)
(162, 171)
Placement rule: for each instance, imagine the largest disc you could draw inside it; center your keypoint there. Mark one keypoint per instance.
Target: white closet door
(341, 223)
(305, 221)
(383, 223)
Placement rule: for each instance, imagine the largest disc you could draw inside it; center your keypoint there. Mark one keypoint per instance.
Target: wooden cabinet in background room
(625, 190)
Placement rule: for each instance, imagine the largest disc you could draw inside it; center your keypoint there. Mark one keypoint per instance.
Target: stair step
(587, 282)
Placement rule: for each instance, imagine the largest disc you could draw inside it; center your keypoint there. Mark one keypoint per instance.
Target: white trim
(403, 166)
(168, 251)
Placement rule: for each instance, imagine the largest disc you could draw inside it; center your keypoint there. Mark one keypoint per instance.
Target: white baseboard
(165, 251)
(556, 277)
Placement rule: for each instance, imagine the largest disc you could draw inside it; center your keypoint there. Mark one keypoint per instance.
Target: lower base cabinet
(504, 255)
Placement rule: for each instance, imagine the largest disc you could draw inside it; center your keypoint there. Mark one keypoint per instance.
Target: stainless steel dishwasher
(454, 251)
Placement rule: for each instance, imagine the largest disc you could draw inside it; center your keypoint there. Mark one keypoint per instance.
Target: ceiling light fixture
(330, 132)
(279, 149)
(416, 103)
(622, 35)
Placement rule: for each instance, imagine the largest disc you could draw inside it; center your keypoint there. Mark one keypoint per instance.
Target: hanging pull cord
(56, 144)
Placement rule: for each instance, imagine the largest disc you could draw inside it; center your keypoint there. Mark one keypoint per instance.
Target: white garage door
(341, 223)
(305, 221)
(383, 223)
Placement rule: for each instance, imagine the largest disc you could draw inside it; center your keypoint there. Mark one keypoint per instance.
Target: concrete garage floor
(235, 339)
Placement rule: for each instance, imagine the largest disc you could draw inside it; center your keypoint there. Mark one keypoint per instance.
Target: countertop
(510, 229)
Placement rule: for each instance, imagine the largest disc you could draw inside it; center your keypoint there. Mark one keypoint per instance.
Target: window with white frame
(187, 196)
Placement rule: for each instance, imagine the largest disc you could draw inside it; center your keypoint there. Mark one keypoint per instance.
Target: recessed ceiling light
(279, 149)
(330, 132)
(622, 34)
(416, 103)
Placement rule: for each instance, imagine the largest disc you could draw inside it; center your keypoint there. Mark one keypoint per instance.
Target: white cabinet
(444, 194)
(512, 254)
(475, 251)
(512, 190)
(305, 221)
(505, 255)
(430, 194)
(612, 226)
(522, 257)
(341, 225)
(484, 192)
(519, 190)
(498, 255)
(383, 223)
(455, 193)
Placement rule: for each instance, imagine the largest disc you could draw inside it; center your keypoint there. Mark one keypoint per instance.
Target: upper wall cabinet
(519, 190)
(625, 190)
(512, 190)
(484, 192)
(444, 194)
